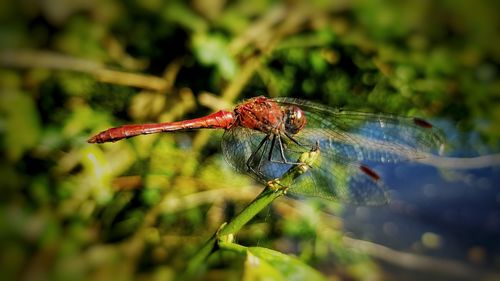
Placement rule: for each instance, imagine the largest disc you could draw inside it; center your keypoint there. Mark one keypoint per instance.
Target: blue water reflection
(445, 213)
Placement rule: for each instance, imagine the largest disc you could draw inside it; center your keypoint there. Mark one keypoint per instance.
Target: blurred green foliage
(138, 209)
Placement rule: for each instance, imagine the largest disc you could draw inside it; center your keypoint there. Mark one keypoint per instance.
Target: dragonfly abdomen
(218, 120)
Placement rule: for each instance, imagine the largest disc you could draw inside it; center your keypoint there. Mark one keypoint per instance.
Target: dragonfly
(264, 137)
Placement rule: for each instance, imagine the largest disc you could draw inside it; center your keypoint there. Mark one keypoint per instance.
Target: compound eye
(295, 119)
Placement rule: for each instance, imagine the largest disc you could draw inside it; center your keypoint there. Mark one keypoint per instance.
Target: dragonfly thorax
(260, 114)
(269, 117)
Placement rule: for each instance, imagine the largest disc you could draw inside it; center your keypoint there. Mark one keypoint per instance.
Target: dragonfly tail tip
(93, 140)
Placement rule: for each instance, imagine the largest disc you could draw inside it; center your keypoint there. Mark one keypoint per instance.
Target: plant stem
(229, 246)
(198, 262)
(264, 199)
(224, 236)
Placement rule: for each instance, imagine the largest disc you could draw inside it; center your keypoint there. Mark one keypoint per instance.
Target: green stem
(229, 246)
(263, 200)
(197, 264)
(224, 236)
(225, 233)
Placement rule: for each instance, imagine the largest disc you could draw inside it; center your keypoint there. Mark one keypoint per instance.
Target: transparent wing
(330, 177)
(362, 136)
(340, 182)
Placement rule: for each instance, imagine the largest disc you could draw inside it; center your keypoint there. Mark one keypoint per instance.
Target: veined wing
(330, 177)
(367, 136)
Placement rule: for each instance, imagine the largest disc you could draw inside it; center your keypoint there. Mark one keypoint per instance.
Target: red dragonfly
(264, 136)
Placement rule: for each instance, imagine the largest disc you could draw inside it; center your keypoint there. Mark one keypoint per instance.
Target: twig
(137, 80)
(172, 205)
(53, 60)
(461, 163)
(213, 102)
(170, 73)
(255, 32)
(417, 262)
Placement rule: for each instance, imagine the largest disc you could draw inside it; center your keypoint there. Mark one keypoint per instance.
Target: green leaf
(266, 264)
(211, 49)
(21, 123)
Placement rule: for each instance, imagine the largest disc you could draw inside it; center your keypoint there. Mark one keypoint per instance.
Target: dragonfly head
(295, 119)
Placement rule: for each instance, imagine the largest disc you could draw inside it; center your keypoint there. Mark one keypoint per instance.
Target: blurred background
(139, 209)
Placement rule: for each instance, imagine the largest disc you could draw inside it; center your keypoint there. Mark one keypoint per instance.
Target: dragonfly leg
(270, 141)
(253, 165)
(282, 152)
(292, 139)
(270, 155)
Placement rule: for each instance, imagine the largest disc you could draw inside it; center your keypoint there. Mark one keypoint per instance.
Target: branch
(53, 60)
(417, 262)
(461, 163)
